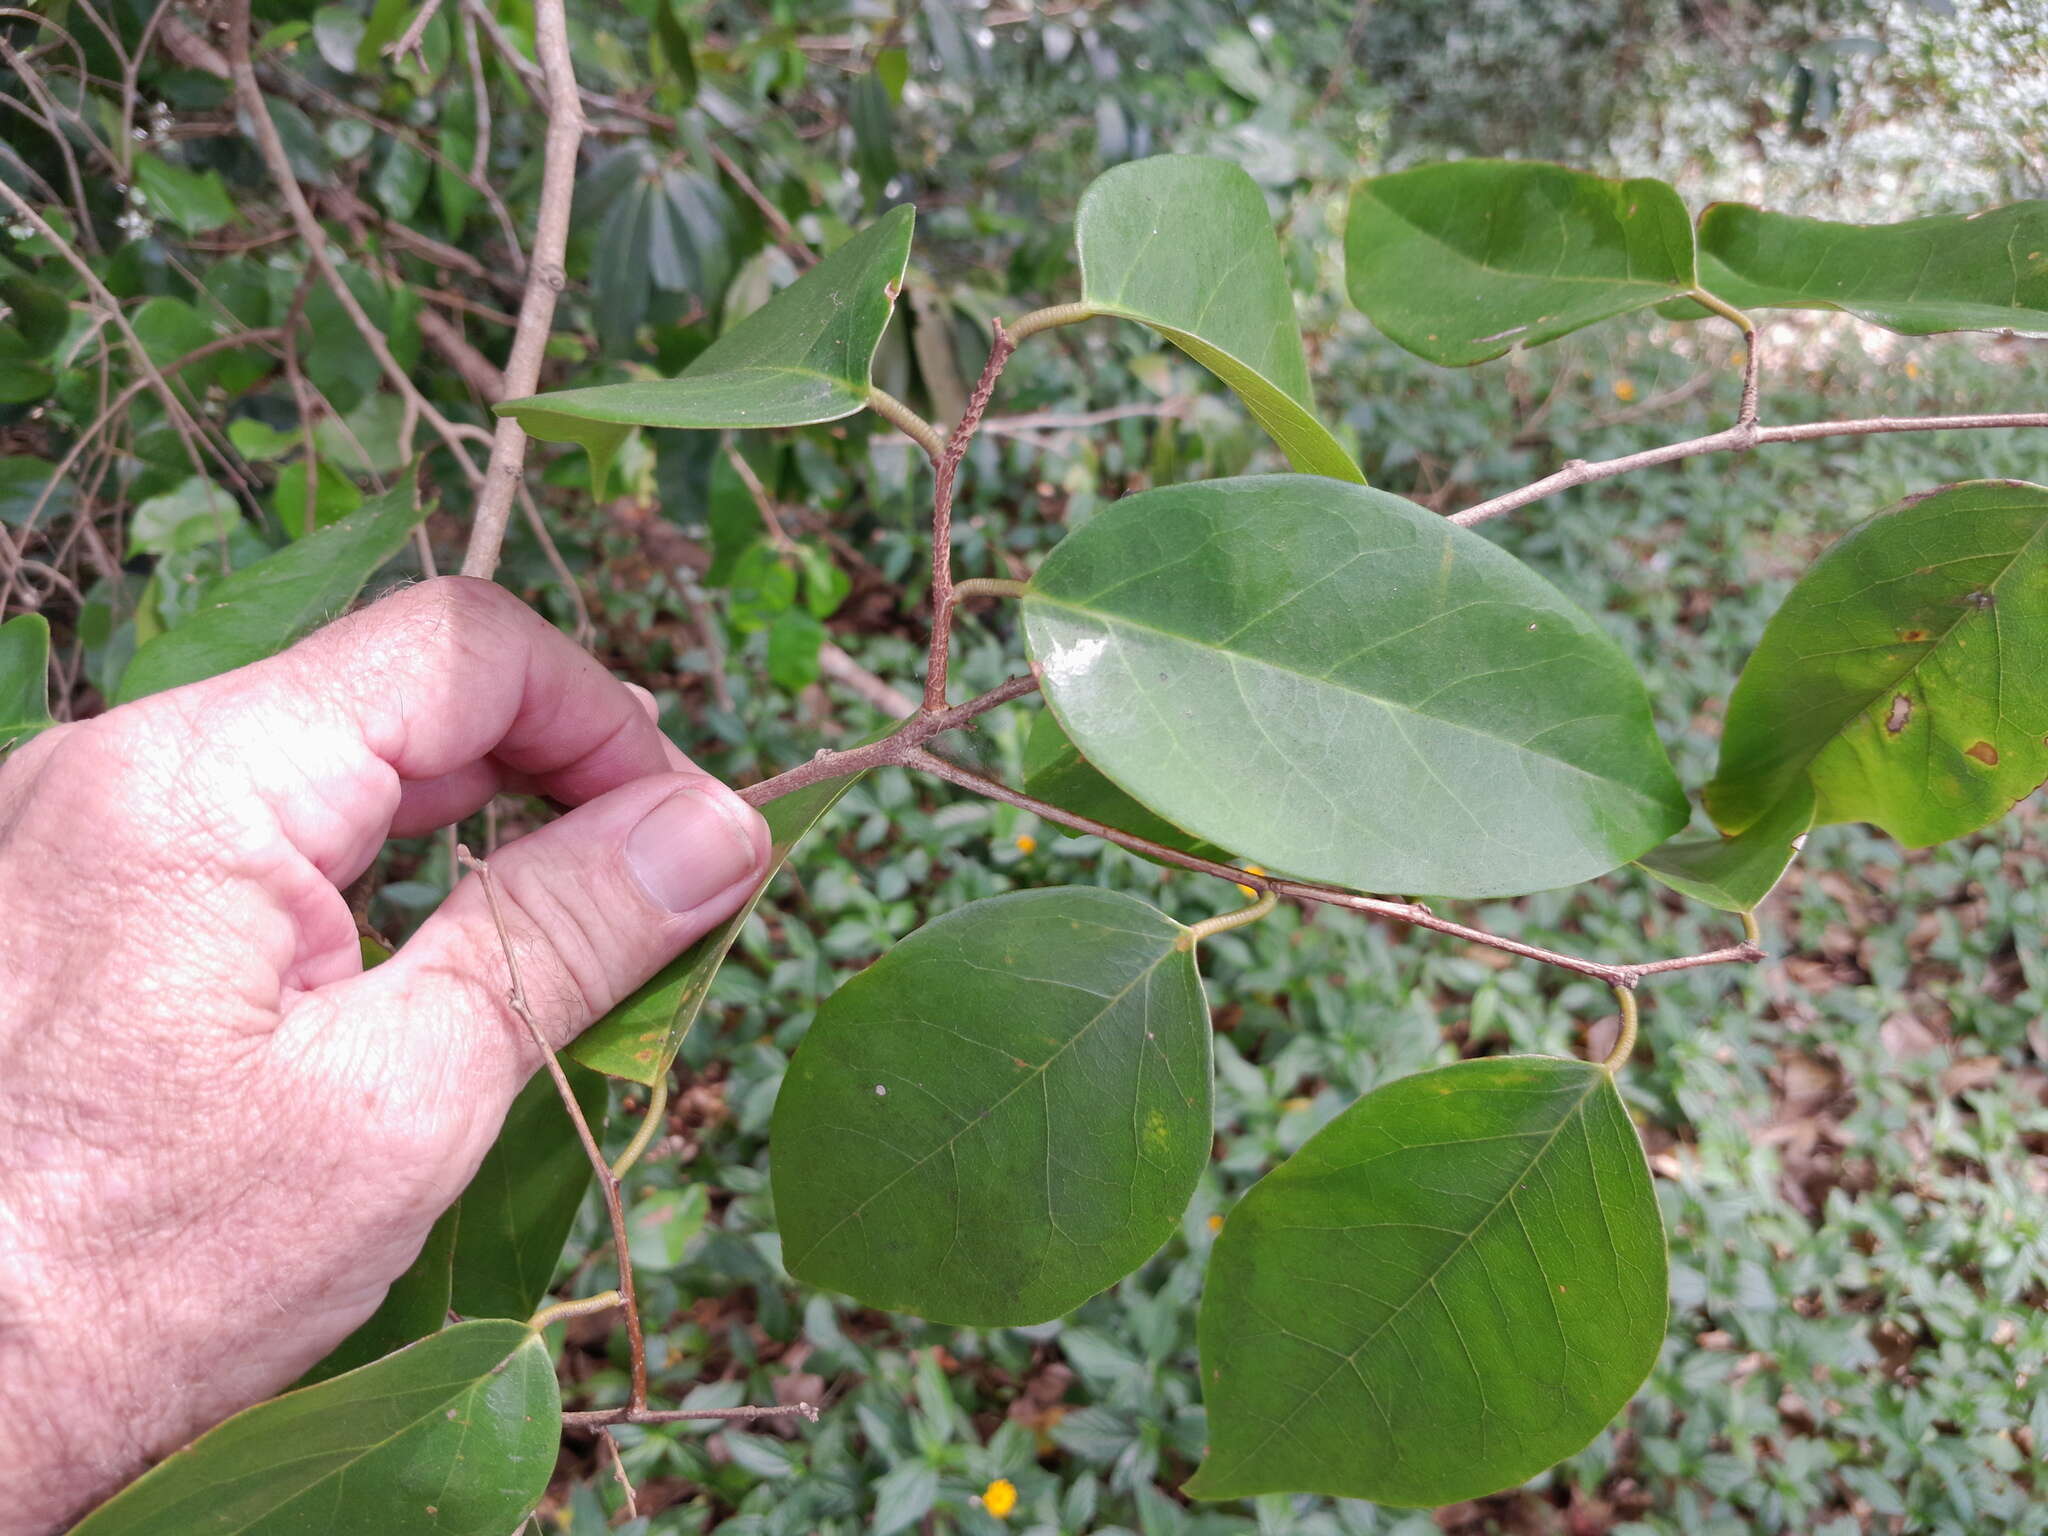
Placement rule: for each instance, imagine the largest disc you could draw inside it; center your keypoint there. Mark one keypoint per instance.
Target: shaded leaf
(261, 609)
(638, 1039)
(1454, 1285)
(464, 1424)
(1737, 873)
(1459, 262)
(1003, 1115)
(38, 312)
(663, 1224)
(802, 357)
(415, 1306)
(1979, 272)
(1906, 673)
(1333, 682)
(1184, 244)
(195, 201)
(334, 497)
(24, 481)
(1057, 773)
(874, 144)
(517, 1211)
(675, 48)
(24, 678)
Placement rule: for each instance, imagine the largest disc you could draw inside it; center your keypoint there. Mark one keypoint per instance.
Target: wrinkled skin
(220, 1138)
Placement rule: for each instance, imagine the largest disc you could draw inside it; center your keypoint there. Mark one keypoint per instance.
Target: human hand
(220, 1138)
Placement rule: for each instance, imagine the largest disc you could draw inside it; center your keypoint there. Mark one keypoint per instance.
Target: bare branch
(946, 474)
(598, 1418)
(409, 41)
(545, 278)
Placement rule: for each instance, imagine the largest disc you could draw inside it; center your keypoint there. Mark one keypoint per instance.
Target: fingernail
(689, 849)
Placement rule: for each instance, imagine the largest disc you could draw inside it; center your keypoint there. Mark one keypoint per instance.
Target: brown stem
(546, 276)
(946, 473)
(1413, 913)
(614, 1206)
(1583, 472)
(599, 1417)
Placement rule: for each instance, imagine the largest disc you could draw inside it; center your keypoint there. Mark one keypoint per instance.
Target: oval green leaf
(1462, 261)
(1057, 773)
(639, 1039)
(24, 678)
(1334, 682)
(456, 1434)
(1184, 244)
(1737, 873)
(1452, 1286)
(802, 357)
(1977, 272)
(1003, 1115)
(518, 1208)
(261, 609)
(1906, 673)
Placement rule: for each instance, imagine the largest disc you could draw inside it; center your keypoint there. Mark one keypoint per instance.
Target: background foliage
(1847, 1141)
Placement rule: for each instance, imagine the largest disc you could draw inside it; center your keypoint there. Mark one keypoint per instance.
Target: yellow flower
(1624, 390)
(1215, 1223)
(999, 1498)
(1912, 369)
(1026, 843)
(1250, 892)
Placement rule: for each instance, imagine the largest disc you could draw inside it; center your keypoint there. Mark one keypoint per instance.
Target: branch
(946, 473)
(1585, 472)
(598, 1418)
(409, 40)
(545, 278)
(249, 97)
(614, 1207)
(1057, 421)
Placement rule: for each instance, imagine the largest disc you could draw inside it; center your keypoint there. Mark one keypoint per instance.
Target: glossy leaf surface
(1906, 673)
(1459, 262)
(1003, 1115)
(1737, 873)
(457, 1435)
(24, 678)
(802, 357)
(1057, 773)
(1982, 272)
(638, 1039)
(259, 610)
(1451, 1287)
(415, 1306)
(1184, 244)
(1337, 684)
(517, 1211)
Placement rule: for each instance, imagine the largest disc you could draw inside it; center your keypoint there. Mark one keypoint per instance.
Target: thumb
(591, 906)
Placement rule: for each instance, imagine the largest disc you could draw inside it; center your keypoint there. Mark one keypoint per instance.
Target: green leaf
(334, 497)
(1462, 261)
(40, 313)
(195, 201)
(1184, 244)
(638, 1039)
(802, 357)
(517, 1211)
(670, 33)
(1057, 773)
(1003, 1115)
(1906, 673)
(415, 1306)
(793, 642)
(1335, 683)
(662, 1225)
(192, 513)
(263, 608)
(24, 480)
(1737, 873)
(401, 179)
(24, 678)
(457, 1433)
(874, 140)
(1981, 272)
(1454, 1285)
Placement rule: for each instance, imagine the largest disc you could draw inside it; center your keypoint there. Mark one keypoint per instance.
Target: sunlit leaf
(517, 1211)
(24, 678)
(1454, 1285)
(1184, 244)
(1906, 673)
(1459, 262)
(802, 357)
(1978, 272)
(259, 610)
(1004, 1114)
(1737, 873)
(638, 1039)
(456, 1434)
(1337, 684)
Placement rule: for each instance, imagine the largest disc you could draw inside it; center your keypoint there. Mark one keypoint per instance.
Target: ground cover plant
(1514, 1342)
